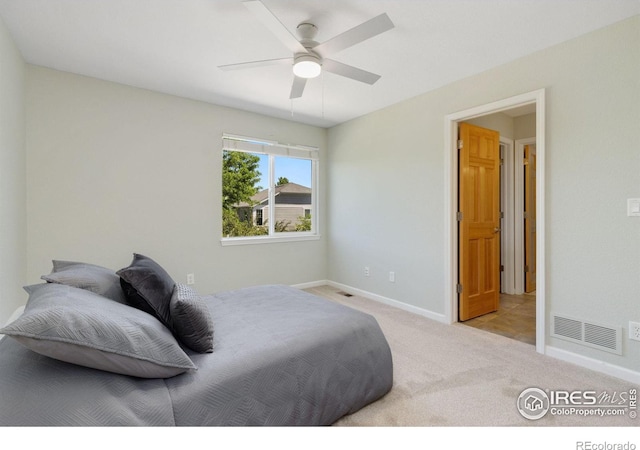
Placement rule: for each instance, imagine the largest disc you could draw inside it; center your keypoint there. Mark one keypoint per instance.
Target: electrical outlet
(392, 277)
(366, 271)
(634, 331)
(191, 278)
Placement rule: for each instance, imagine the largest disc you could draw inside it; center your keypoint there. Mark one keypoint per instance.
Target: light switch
(633, 207)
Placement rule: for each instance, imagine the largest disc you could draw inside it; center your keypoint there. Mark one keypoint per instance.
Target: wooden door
(478, 221)
(529, 218)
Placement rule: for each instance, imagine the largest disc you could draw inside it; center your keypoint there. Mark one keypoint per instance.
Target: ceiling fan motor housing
(307, 31)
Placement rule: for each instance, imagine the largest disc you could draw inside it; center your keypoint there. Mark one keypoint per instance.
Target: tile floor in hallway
(516, 318)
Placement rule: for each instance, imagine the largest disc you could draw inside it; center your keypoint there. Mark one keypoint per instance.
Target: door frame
(519, 213)
(507, 201)
(451, 202)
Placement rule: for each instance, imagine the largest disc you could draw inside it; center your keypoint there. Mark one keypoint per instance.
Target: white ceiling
(176, 46)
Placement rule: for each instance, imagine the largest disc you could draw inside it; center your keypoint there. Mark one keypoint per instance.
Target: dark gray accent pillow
(148, 287)
(191, 319)
(93, 278)
(81, 327)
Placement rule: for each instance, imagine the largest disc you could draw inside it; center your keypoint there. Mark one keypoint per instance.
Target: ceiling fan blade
(355, 35)
(251, 64)
(298, 87)
(349, 71)
(272, 23)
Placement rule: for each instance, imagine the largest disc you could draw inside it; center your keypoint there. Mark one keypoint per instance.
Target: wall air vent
(567, 328)
(602, 337)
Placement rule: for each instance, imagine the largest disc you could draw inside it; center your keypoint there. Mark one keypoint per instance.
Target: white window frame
(272, 149)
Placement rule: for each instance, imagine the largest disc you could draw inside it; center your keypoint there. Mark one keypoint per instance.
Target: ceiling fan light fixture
(307, 66)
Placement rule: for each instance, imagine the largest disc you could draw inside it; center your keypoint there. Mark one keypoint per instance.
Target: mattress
(281, 357)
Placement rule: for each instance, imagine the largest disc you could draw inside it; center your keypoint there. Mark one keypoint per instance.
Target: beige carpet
(453, 375)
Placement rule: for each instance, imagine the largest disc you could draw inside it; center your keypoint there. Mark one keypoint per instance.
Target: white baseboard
(388, 301)
(593, 364)
(311, 284)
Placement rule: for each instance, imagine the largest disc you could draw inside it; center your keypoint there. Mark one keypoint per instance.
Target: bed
(273, 355)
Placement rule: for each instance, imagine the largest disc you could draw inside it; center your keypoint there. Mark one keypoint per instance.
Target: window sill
(288, 237)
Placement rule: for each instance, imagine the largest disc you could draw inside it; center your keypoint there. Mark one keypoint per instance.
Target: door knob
(497, 230)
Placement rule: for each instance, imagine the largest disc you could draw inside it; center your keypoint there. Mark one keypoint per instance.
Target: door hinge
(526, 269)
(501, 215)
(459, 216)
(526, 215)
(460, 144)
(459, 288)
(501, 268)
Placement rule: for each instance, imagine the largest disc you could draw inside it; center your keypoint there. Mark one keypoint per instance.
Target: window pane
(293, 194)
(244, 193)
(267, 188)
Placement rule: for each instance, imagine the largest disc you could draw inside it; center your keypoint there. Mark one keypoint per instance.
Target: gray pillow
(191, 318)
(93, 278)
(148, 287)
(81, 327)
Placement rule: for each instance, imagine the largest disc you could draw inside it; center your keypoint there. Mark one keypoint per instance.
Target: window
(269, 191)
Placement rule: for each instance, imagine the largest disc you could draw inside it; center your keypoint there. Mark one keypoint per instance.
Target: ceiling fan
(310, 57)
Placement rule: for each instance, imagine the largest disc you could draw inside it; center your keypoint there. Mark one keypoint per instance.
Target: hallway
(515, 319)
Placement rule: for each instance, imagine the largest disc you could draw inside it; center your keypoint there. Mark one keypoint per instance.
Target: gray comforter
(281, 357)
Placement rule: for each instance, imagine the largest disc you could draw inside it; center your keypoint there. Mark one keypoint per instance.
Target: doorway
(451, 203)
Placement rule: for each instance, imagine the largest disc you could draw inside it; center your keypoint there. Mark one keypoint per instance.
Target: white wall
(114, 170)
(386, 185)
(524, 127)
(520, 127)
(12, 177)
(500, 122)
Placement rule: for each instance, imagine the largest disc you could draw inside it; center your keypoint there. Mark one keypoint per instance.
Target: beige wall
(500, 122)
(520, 127)
(12, 178)
(114, 170)
(524, 127)
(386, 185)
